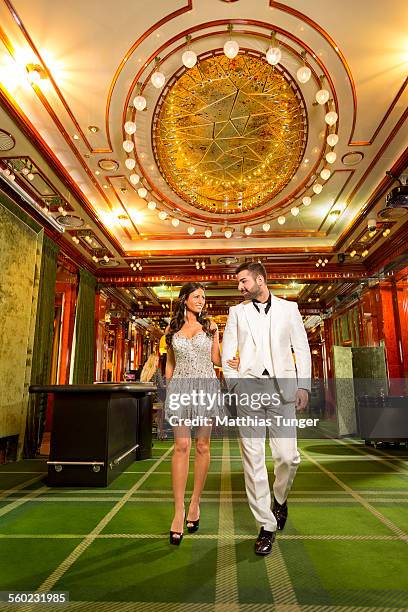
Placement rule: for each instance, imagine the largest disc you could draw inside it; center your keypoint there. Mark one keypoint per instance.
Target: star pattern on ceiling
(229, 135)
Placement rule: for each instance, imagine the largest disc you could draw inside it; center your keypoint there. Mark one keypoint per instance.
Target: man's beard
(252, 294)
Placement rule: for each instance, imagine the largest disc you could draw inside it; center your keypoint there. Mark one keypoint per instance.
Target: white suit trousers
(286, 457)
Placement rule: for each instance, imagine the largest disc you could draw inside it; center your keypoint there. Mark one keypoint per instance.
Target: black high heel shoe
(176, 536)
(192, 526)
(176, 540)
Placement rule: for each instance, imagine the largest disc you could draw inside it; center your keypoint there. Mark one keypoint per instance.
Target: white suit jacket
(243, 333)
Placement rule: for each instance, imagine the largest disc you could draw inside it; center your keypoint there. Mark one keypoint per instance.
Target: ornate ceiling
(229, 144)
(230, 134)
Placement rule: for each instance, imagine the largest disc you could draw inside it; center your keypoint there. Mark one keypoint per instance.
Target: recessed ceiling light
(109, 165)
(70, 221)
(93, 128)
(76, 137)
(353, 158)
(7, 141)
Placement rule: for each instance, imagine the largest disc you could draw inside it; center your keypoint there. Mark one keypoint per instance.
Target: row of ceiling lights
(295, 210)
(27, 171)
(322, 262)
(189, 58)
(136, 266)
(231, 48)
(9, 171)
(228, 231)
(273, 56)
(91, 243)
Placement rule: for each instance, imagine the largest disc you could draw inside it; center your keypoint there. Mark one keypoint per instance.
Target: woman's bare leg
(201, 465)
(179, 471)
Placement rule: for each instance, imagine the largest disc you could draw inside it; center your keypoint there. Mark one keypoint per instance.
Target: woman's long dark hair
(178, 320)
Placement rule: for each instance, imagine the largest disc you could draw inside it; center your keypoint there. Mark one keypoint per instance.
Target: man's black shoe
(280, 512)
(263, 545)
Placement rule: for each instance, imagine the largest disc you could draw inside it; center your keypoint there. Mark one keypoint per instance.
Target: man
(264, 329)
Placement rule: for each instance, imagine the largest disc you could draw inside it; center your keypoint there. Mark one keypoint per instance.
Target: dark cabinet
(97, 431)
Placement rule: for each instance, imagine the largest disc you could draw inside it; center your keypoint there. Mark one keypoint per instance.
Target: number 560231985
(21, 597)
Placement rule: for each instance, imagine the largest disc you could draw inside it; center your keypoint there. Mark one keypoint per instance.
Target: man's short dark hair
(254, 268)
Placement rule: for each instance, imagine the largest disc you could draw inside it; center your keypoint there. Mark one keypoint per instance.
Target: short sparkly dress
(193, 390)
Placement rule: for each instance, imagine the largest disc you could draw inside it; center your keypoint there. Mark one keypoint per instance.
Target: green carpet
(344, 546)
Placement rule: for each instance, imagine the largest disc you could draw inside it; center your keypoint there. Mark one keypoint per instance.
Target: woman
(193, 350)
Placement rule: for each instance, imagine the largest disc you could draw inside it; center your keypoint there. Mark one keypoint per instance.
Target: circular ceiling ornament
(392, 214)
(70, 221)
(109, 165)
(111, 263)
(229, 134)
(7, 141)
(353, 158)
(228, 260)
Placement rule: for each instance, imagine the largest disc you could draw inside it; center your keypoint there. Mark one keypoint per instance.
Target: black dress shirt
(268, 304)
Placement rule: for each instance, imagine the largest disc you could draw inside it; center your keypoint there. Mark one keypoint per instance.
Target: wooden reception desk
(97, 431)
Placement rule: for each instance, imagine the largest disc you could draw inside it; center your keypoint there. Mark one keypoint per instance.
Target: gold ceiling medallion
(229, 134)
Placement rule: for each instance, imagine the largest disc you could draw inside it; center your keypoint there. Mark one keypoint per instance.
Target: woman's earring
(185, 311)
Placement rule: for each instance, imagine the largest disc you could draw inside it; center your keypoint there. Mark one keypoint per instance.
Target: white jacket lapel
(252, 320)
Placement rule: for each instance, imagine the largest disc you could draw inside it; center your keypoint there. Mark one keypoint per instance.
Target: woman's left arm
(215, 352)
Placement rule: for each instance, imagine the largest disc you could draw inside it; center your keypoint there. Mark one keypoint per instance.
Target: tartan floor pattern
(344, 547)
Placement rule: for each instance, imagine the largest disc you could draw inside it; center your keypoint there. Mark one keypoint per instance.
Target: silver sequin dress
(193, 378)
